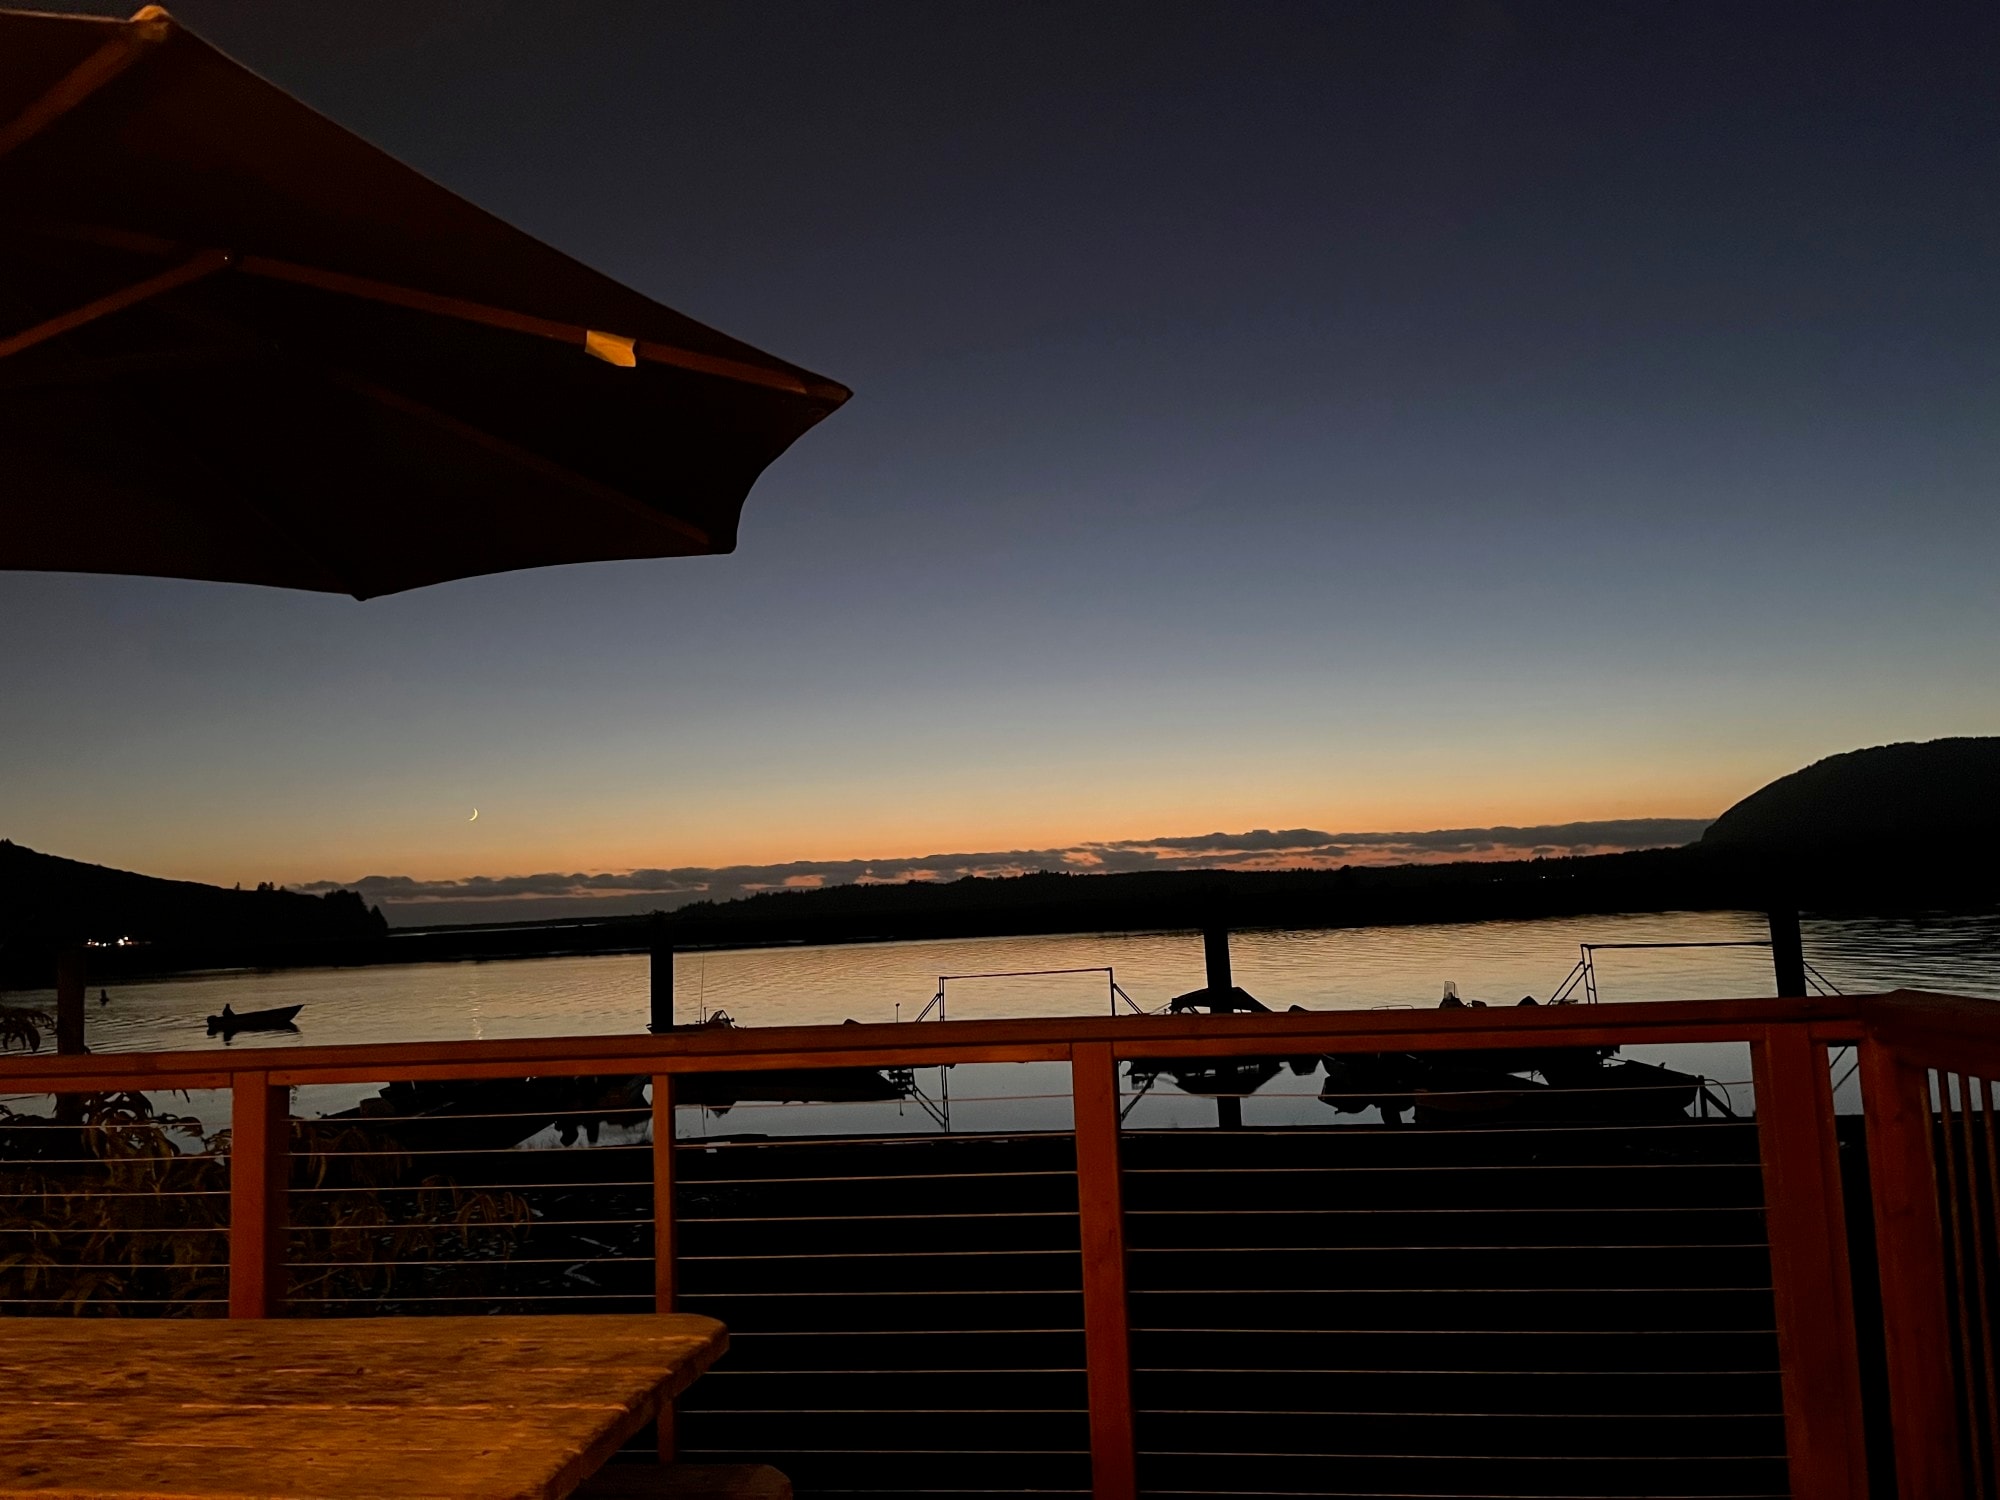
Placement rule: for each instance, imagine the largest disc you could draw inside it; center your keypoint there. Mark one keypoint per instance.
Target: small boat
(278, 1018)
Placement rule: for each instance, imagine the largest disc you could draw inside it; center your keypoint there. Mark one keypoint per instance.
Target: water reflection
(1355, 968)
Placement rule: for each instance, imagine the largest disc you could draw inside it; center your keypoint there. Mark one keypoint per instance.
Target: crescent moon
(475, 816)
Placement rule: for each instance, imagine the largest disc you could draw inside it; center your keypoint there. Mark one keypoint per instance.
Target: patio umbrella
(237, 342)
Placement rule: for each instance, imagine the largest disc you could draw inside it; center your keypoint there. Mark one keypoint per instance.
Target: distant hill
(1938, 797)
(47, 902)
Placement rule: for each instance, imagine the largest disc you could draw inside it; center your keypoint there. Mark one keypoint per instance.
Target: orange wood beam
(194, 268)
(649, 350)
(368, 289)
(129, 41)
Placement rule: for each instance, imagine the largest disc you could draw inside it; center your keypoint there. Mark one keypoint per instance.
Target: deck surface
(498, 1408)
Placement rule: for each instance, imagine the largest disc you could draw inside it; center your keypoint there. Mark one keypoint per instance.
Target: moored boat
(277, 1018)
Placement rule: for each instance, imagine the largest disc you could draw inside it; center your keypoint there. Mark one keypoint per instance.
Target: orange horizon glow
(492, 850)
(849, 811)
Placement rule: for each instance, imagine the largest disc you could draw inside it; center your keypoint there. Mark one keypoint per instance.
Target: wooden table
(333, 1409)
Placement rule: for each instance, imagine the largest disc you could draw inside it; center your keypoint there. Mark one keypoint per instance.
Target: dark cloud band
(498, 897)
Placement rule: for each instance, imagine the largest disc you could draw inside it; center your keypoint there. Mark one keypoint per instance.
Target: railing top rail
(1949, 1032)
(1829, 1018)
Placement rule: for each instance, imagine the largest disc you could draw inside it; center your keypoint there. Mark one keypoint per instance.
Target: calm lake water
(1348, 968)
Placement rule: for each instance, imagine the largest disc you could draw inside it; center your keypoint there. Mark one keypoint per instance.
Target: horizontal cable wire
(1451, 1495)
(1508, 1416)
(563, 1296)
(1291, 1370)
(10, 1126)
(116, 1301)
(903, 1411)
(217, 1229)
(583, 1111)
(469, 1187)
(317, 1155)
(845, 1103)
(1375, 1249)
(708, 1182)
(462, 1260)
(911, 1370)
(1468, 1458)
(1392, 1291)
(1519, 1167)
(35, 1163)
(95, 1193)
(697, 1144)
(516, 1226)
(1504, 1083)
(1471, 1333)
(1032, 1291)
(1026, 1213)
(903, 1333)
(869, 1255)
(1410, 1132)
(1648, 1208)
(916, 1452)
(143, 1265)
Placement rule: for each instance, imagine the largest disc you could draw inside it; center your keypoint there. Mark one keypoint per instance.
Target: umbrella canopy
(238, 342)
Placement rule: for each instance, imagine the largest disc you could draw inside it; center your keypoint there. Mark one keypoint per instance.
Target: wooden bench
(640, 1481)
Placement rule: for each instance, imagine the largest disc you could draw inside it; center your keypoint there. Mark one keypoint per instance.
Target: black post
(1215, 948)
(1788, 953)
(69, 1025)
(69, 1000)
(662, 988)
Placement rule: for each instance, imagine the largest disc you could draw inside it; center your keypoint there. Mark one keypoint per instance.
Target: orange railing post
(665, 1261)
(1909, 1247)
(259, 1179)
(1806, 1224)
(1101, 1226)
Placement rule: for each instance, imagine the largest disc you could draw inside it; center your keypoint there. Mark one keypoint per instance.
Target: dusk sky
(1300, 417)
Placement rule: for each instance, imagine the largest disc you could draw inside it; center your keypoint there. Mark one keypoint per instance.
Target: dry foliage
(103, 1212)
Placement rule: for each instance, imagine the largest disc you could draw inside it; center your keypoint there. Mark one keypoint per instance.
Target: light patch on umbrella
(612, 349)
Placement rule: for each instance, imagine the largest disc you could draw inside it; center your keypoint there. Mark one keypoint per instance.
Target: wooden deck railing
(1929, 1067)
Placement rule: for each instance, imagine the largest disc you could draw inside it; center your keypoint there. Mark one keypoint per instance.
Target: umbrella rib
(367, 289)
(207, 263)
(130, 42)
(534, 462)
(518, 322)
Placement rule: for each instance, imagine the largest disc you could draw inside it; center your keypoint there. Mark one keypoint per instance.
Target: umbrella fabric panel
(283, 435)
(189, 145)
(279, 356)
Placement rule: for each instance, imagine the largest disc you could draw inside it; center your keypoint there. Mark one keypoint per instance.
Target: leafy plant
(22, 1026)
